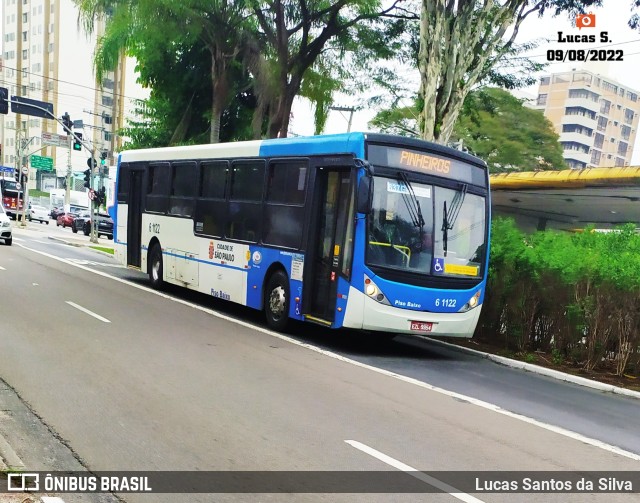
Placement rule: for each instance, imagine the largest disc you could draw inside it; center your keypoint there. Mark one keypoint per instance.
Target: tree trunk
(220, 91)
(279, 120)
(459, 43)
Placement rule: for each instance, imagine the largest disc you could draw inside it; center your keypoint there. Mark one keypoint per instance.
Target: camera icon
(586, 20)
(23, 482)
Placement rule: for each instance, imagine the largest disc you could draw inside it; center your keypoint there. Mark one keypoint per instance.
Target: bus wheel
(155, 266)
(276, 305)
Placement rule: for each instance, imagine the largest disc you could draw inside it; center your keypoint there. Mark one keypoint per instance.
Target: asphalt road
(133, 380)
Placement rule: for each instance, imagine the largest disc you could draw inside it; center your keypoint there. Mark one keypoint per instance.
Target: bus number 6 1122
(446, 302)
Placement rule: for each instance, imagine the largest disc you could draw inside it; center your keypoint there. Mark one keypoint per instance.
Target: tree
(461, 41)
(509, 136)
(151, 29)
(294, 34)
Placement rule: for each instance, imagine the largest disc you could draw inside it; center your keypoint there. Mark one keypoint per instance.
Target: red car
(65, 219)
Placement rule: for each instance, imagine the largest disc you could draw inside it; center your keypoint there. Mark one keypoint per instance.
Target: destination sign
(426, 162)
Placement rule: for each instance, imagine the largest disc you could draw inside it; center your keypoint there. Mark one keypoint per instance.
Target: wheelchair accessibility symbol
(438, 265)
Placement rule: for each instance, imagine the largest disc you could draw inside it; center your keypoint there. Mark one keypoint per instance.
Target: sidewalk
(59, 235)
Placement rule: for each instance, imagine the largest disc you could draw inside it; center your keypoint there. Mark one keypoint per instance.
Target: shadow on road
(346, 342)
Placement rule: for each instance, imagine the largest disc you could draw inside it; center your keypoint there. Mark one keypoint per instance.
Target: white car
(39, 213)
(5, 227)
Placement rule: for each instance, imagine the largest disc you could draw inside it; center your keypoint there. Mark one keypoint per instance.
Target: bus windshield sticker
(465, 270)
(422, 192)
(398, 188)
(297, 265)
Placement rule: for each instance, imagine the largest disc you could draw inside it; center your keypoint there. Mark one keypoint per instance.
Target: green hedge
(573, 295)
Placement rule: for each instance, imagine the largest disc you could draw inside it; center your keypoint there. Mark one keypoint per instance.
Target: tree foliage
(509, 136)
(493, 125)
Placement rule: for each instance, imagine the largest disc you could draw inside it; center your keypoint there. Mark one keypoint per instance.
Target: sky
(613, 19)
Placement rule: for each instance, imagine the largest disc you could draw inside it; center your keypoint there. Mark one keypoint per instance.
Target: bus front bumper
(384, 318)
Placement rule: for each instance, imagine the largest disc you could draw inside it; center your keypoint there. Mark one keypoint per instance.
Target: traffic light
(101, 196)
(103, 157)
(68, 123)
(87, 178)
(4, 103)
(77, 141)
(17, 175)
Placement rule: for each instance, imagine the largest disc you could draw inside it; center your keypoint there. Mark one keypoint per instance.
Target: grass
(103, 249)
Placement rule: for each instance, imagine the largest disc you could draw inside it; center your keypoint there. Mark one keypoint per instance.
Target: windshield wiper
(413, 205)
(449, 217)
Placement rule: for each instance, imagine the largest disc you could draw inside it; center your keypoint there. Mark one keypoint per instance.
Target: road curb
(8, 457)
(60, 240)
(537, 369)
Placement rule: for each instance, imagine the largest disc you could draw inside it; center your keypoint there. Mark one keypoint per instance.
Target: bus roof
(301, 145)
(343, 143)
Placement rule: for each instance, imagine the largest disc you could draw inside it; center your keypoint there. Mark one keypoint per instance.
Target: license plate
(421, 326)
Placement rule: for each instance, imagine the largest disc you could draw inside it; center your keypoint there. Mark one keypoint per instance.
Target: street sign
(92, 163)
(56, 140)
(92, 194)
(42, 163)
(25, 170)
(34, 108)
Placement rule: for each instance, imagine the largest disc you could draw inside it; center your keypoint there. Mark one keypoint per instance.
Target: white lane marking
(82, 261)
(2, 268)
(51, 499)
(479, 403)
(85, 310)
(414, 472)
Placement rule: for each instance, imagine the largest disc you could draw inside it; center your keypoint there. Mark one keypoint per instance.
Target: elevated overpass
(568, 199)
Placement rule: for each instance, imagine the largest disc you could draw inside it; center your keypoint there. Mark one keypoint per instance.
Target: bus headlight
(471, 303)
(371, 289)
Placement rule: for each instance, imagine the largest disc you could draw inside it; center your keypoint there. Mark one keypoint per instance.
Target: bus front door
(134, 219)
(331, 218)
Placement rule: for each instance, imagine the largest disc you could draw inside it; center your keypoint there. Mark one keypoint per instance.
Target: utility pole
(67, 124)
(346, 109)
(22, 172)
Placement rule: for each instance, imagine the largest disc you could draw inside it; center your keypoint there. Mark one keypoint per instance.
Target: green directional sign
(42, 163)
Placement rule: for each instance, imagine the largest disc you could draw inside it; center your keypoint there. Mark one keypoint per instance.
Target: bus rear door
(134, 217)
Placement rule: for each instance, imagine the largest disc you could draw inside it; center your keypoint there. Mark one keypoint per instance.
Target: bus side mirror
(365, 188)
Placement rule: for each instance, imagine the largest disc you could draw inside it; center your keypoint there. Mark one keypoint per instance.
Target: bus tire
(155, 267)
(276, 301)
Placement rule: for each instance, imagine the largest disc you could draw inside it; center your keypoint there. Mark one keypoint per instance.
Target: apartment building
(595, 116)
(46, 56)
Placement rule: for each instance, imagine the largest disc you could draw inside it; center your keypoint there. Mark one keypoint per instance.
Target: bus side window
(210, 214)
(158, 183)
(245, 200)
(183, 188)
(284, 208)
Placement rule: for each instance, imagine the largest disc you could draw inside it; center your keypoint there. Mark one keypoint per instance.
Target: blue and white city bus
(358, 230)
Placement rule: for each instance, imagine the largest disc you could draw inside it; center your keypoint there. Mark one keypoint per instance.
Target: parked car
(5, 227)
(104, 226)
(65, 219)
(78, 222)
(55, 211)
(39, 213)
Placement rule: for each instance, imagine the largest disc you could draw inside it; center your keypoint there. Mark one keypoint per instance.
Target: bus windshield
(426, 229)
